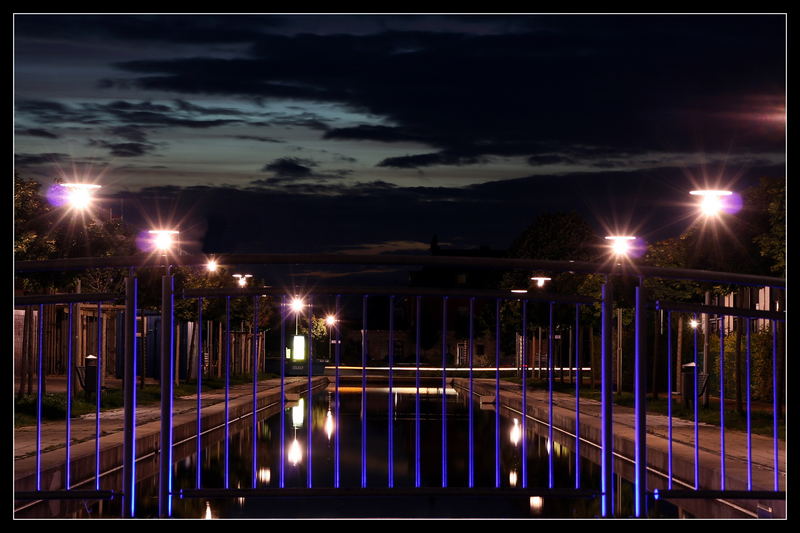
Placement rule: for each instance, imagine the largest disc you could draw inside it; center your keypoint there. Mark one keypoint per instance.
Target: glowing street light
(519, 291)
(296, 305)
(694, 323)
(330, 321)
(163, 239)
(242, 279)
(540, 280)
(620, 244)
(212, 265)
(80, 195)
(711, 201)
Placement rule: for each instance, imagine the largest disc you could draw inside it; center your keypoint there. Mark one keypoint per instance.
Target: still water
(371, 469)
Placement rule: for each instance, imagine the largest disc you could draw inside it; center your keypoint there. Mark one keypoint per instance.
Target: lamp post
(330, 321)
(163, 240)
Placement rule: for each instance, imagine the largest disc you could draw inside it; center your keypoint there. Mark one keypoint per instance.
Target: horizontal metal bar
(392, 291)
(721, 494)
(388, 493)
(66, 495)
(469, 263)
(719, 310)
(68, 298)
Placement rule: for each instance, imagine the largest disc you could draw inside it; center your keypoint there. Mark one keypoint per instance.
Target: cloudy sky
(367, 133)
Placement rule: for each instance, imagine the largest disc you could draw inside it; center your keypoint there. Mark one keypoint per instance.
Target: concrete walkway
(683, 439)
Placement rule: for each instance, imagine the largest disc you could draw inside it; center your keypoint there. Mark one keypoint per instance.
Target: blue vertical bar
(390, 460)
(255, 392)
(70, 355)
(444, 391)
(364, 392)
(336, 387)
(416, 406)
(606, 463)
(497, 394)
(129, 461)
(749, 426)
(470, 400)
(390, 465)
(227, 387)
(669, 400)
(310, 425)
(39, 385)
(721, 320)
(550, 372)
(98, 396)
(578, 376)
(282, 355)
(696, 417)
(776, 482)
(640, 404)
(524, 365)
(200, 366)
(166, 377)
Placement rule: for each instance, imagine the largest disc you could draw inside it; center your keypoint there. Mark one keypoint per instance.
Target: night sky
(371, 134)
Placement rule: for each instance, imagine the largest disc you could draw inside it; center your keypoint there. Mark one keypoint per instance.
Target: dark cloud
(257, 138)
(619, 82)
(290, 167)
(37, 132)
(131, 133)
(183, 105)
(131, 149)
(426, 160)
(39, 159)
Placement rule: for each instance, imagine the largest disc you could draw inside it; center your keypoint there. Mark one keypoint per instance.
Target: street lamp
(163, 239)
(79, 195)
(620, 244)
(711, 201)
(212, 265)
(242, 279)
(540, 280)
(330, 321)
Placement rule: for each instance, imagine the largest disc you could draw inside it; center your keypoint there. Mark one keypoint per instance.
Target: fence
(511, 322)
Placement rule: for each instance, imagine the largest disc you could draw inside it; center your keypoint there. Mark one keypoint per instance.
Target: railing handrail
(471, 263)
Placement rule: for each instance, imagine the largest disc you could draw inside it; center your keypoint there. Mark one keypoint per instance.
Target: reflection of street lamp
(515, 432)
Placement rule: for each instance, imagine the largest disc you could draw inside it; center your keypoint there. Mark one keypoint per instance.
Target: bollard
(90, 378)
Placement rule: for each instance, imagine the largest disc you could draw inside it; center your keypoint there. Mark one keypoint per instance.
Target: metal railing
(644, 491)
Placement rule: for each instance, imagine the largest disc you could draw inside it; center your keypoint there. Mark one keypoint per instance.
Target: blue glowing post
(524, 364)
(497, 394)
(364, 393)
(470, 402)
(721, 321)
(336, 386)
(578, 376)
(444, 391)
(70, 355)
(98, 395)
(166, 377)
(39, 385)
(129, 460)
(640, 404)
(606, 463)
(550, 372)
(200, 365)
(775, 470)
(416, 406)
(390, 460)
(255, 392)
(227, 388)
(696, 415)
(669, 400)
(749, 426)
(310, 425)
(282, 355)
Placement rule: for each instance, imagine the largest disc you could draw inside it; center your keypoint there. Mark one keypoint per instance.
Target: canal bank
(82, 431)
(658, 427)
